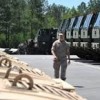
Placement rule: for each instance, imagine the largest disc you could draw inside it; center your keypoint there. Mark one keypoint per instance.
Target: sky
(68, 3)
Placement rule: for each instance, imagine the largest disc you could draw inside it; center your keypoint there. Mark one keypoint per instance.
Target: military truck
(83, 36)
(41, 44)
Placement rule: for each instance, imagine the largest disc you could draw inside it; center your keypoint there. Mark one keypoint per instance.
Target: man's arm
(53, 53)
(68, 54)
(53, 50)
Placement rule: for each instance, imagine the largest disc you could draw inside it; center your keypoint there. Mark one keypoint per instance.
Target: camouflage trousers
(60, 65)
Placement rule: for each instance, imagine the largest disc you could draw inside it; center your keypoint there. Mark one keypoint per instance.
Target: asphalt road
(83, 74)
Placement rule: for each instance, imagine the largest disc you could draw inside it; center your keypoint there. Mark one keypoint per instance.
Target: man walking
(61, 52)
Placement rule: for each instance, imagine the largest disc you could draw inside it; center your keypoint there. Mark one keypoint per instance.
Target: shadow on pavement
(92, 62)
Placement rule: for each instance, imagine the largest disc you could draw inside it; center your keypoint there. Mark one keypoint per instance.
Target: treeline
(20, 19)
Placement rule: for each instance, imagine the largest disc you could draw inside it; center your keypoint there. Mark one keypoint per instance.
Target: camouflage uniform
(60, 49)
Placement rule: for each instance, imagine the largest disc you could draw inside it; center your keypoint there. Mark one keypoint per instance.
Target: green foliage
(54, 15)
(82, 8)
(94, 6)
(2, 40)
(21, 19)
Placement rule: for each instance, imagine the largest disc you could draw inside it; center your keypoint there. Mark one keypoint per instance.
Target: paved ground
(83, 74)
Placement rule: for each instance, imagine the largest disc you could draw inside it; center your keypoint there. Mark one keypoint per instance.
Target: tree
(54, 15)
(5, 19)
(36, 15)
(94, 6)
(17, 11)
(82, 9)
(71, 13)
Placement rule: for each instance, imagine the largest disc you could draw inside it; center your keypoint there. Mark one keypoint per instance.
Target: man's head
(61, 36)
